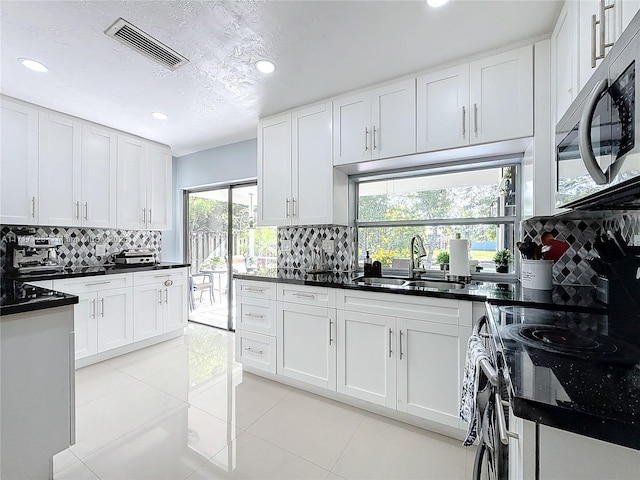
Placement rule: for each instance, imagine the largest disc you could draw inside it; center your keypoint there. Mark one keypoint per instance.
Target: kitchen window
(481, 204)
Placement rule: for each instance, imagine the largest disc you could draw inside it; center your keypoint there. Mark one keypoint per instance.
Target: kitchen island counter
(17, 297)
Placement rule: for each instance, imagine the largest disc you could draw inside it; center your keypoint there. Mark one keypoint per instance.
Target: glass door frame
(185, 231)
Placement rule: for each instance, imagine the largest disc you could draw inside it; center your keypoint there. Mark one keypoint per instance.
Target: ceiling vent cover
(144, 43)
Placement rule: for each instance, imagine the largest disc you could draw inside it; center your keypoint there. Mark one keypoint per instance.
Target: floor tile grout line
(355, 430)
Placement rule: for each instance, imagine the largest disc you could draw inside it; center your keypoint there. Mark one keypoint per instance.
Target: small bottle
(367, 264)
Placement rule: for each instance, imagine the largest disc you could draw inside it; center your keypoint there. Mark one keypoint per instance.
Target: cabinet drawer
(98, 282)
(256, 350)
(256, 315)
(156, 276)
(307, 295)
(254, 289)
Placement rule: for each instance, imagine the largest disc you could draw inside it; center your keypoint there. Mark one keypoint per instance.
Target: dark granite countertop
(16, 297)
(592, 389)
(566, 296)
(72, 272)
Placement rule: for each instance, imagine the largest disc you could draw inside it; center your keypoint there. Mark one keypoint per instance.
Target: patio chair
(199, 282)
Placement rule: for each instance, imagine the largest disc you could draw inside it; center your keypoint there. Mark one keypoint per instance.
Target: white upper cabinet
(297, 184)
(443, 109)
(143, 185)
(380, 123)
(159, 187)
(96, 206)
(564, 59)
(131, 186)
(319, 192)
(625, 12)
(19, 163)
(488, 100)
(501, 96)
(274, 170)
(59, 167)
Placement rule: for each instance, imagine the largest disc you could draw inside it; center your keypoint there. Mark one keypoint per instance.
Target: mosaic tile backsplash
(79, 249)
(307, 242)
(579, 230)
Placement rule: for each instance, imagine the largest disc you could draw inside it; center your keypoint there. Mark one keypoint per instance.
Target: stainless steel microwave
(598, 139)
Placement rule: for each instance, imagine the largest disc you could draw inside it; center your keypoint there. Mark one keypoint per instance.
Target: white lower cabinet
(306, 344)
(86, 325)
(160, 304)
(366, 357)
(256, 350)
(430, 369)
(115, 318)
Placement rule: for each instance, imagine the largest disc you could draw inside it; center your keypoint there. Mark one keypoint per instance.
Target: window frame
(510, 220)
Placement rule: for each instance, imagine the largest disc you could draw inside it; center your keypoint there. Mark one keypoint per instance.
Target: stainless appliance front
(598, 139)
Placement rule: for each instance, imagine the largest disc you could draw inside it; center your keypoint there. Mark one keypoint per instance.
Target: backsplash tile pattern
(79, 249)
(579, 229)
(305, 241)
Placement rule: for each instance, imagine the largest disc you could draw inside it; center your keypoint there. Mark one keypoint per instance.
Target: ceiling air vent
(144, 43)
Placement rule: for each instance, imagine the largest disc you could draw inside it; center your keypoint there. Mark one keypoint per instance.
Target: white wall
(216, 166)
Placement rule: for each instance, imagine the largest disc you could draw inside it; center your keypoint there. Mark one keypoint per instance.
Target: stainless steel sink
(434, 284)
(380, 281)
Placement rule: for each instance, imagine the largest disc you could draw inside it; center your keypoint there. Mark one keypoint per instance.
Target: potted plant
(443, 259)
(502, 259)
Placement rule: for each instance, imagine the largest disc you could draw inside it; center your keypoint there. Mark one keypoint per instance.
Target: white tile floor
(184, 409)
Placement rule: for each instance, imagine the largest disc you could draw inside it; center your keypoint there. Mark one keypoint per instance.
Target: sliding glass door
(222, 238)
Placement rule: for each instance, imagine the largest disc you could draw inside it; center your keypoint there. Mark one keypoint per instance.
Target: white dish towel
(469, 411)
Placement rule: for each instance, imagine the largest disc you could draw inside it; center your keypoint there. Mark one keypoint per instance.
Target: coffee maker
(33, 254)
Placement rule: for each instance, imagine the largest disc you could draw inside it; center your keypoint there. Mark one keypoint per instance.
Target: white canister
(537, 274)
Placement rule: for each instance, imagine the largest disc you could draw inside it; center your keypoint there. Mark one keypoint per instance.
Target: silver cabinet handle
(594, 55)
(149, 215)
(464, 121)
(584, 134)
(33, 207)
(475, 119)
(304, 295)
(159, 296)
(374, 137)
(144, 215)
(389, 343)
(330, 331)
(287, 207)
(166, 296)
(400, 344)
(96, 283)
(72, 388)
(293, 206)
(366, 139)
(102, 307)
(502, 422)
(249, 349)
(603, 27)
(93, 308)
(86, 210)
(163, 275)
(77, 210)
(254, 289)
(253, 315)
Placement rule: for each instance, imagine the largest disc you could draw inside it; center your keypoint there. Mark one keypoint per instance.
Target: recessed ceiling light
(160, 115)
(33, 65)
(436, 3)
(265, 66)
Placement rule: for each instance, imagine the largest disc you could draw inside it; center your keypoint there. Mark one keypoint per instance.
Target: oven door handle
(584, 134)
(489, 370)
(502, 422)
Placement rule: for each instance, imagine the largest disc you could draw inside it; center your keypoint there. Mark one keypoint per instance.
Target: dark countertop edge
(413, 291)
(599, 428)
(43, 304)
(108, 271)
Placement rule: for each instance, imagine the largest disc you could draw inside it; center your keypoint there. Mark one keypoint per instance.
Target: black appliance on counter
(568, 368)
(598, 139)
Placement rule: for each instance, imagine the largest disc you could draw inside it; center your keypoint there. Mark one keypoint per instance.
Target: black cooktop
(574, 370)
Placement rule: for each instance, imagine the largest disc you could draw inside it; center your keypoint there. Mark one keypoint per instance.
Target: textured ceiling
(321, 48)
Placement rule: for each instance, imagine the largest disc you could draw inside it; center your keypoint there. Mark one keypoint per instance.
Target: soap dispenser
(367, 265)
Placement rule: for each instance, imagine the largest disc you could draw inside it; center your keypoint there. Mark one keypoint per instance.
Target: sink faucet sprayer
(417, 247)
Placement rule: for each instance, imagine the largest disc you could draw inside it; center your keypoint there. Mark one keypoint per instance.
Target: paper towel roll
(459, 257)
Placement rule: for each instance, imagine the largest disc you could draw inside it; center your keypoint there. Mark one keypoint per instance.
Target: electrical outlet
(636, 240)
(101, 250)
(285, 244)
(328, 245)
